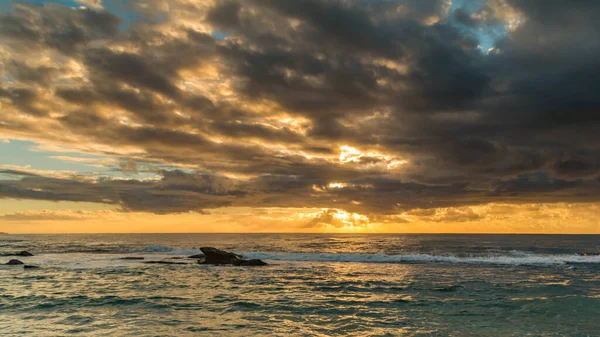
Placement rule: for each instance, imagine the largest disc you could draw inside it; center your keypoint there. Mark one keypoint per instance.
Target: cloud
(338, 219)
(266, 116)
(176, 191)
(44, 215)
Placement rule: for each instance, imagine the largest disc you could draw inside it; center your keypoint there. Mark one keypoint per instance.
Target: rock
(197, 256)
(27, 266)
(217, 256)
(131, 258)
(24, 254)
(164, 262)
(252, 262)
(14, 263)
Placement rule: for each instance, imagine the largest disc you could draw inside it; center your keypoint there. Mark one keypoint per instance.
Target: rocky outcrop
(14, 263)
(197, 256)
(252, 262)
(217, 256)
(27, 266)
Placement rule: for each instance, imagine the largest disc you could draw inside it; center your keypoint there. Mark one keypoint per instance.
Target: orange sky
(44, 217)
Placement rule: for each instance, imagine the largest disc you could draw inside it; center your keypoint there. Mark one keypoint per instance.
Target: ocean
(314, 285)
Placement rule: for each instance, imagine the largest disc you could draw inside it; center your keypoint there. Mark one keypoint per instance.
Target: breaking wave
(513, 258)
(502, 258)
(490, 257)
(170, 250)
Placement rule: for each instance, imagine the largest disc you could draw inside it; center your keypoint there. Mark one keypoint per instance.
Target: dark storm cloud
(577, 166)
(225, 15)
(440, 122)
(547, 69)
(23, 99)
(21, 72)
(129, 68)
(463, 16)
(175, 192)
(54, 26)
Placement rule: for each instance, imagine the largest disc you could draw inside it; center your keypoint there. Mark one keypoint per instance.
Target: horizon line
(301, 233)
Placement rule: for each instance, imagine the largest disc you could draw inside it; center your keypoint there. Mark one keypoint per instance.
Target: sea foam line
(508, 258)
(524, 259)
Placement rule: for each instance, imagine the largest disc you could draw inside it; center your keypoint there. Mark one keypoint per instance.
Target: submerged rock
(197, 256)
(27, 266)
(131, 258)
(251, 262)
(217, 256)
(24, 253)
(14, 263)
(164, 262)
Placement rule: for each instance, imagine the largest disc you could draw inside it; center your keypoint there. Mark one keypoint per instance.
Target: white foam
(157, 249)
(502, 258)
(522, 258)
(170, 250)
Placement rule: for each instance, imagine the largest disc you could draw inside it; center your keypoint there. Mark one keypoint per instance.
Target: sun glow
(371, 159)
(349, 154)
(337, 185)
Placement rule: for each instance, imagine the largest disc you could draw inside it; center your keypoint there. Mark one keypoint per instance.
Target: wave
(497, 257)
(519, 258)
(170, 250)
(503, 258)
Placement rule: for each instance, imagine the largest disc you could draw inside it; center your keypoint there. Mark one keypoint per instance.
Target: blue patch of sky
(487, 35)
(25, 153)
(219, 35)
(121, 8)
(7, 5)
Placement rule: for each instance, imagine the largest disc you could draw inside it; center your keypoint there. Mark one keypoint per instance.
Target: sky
(352, 116)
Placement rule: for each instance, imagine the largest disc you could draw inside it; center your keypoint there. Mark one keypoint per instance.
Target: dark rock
(164, 262)
(252, 262)
(197, 256)
(131, 258)
(24, 254)
(217, 256)
(14, 263)
(27, 266)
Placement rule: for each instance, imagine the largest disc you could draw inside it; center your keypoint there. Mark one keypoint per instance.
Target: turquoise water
(315, 285)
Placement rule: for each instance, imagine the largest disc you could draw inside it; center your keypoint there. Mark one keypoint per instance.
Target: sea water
(314, 285)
